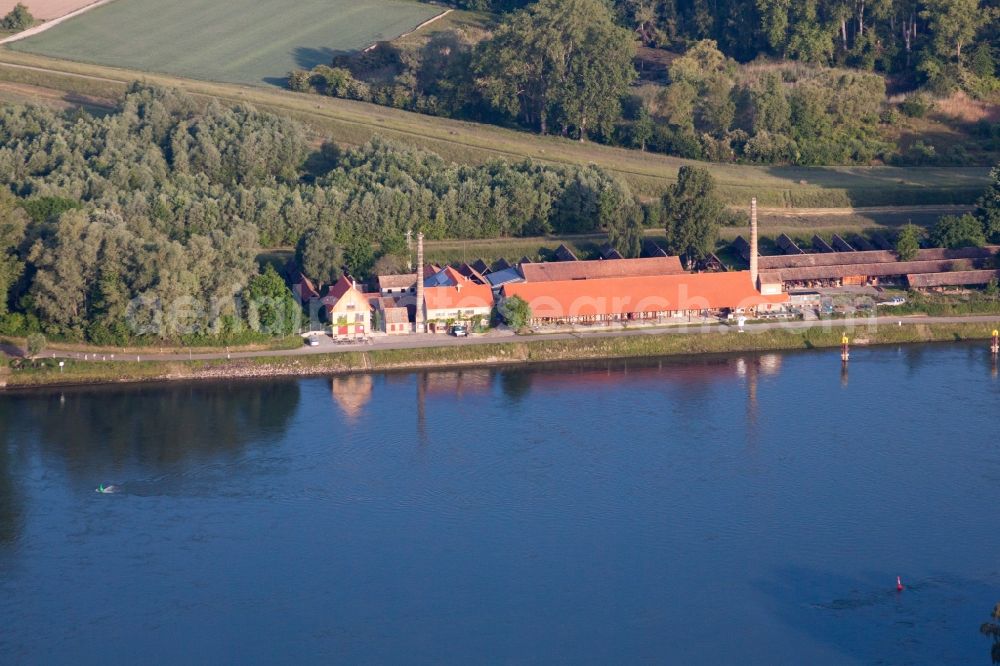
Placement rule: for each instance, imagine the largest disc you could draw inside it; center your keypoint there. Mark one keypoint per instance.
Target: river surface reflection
(735, 509)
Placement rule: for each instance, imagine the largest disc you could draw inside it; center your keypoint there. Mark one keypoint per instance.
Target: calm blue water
(751, 509)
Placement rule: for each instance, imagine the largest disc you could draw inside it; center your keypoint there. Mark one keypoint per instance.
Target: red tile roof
(607, 268)
(396, 315)
(782, 262)
(404, 281)
(881, 269)
(342, 288)
(465, 295)
(955, 278)
(306, 289)
(454, 277)
(664, 293)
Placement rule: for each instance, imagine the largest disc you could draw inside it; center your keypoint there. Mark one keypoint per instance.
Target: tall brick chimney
(420, 325)
(753, 242)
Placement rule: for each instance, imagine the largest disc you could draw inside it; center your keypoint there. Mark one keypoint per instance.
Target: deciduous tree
(319, 255)
(36, 344)
(558, 59)
(908, 242)
(270, 306)
(624, 223)
(17, 19)
(988, 209)
(952, 231)
(515, 312)
(953, 23)
(13, 222)
(692, 211)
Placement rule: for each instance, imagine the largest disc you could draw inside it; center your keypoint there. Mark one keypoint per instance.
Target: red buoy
(899, 584)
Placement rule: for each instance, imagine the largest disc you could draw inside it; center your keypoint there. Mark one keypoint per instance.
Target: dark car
(460, 330)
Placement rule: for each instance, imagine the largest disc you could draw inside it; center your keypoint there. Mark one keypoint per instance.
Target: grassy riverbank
(521, 351)
(266, 344)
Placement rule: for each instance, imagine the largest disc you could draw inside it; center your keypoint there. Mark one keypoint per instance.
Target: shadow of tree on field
(307, 57)
(279, 81)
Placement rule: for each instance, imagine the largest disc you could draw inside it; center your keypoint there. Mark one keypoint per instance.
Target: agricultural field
(238, 41)
(46, 10)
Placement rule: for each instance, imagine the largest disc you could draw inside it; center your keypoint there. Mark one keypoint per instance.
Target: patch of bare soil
(963, 108)
(45, 9)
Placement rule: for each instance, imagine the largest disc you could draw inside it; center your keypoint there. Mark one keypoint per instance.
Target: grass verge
(274, 344)
(521, 351)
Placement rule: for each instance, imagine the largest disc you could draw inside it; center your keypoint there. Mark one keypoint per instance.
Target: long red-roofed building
(637, 298)
(607, 268)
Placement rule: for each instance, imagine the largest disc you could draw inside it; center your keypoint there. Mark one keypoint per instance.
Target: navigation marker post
(845, 350)
(995, 343)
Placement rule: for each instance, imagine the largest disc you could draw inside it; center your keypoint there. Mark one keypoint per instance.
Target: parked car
(895, 300)
(460, 330)
(312, 341)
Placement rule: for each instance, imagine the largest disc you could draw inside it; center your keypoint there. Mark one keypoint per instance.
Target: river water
(737, 509)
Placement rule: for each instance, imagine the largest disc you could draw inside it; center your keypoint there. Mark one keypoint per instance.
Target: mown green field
(240, 41)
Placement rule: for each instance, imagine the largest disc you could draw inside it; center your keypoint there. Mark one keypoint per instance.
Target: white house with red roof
(348, 309)
(461, 301)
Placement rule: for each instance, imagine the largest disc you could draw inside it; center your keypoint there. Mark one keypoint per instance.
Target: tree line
(939, 42)
(815, 93)
(153, 214)
(943, 43)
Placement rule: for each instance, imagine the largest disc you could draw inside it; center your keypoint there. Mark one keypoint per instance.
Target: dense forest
(766, 81)
(154, 214)
(923, 40)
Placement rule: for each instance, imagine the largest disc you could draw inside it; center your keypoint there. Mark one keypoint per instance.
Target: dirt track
(826, 212)
(22, 92)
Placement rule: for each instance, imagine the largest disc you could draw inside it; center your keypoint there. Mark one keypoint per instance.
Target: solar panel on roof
(840, 244)
(821, 245)
(652, 249)
(881, 242)
(862, 243)
(742, 247)
(787, 245)
(563, 253)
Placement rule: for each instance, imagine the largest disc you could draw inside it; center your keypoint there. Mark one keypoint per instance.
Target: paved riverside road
(413, 341)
